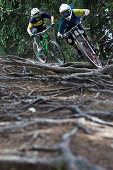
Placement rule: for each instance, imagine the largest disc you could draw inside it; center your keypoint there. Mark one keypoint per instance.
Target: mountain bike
(48, 47)
(82, 44)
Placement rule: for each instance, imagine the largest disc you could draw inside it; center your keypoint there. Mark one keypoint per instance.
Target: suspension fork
(35, 41)
(86, 42)
(77, 42)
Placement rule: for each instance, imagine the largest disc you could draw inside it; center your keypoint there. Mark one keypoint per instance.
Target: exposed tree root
(33, 101)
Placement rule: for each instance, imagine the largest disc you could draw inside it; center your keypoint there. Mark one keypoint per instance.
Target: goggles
(65, 14)
(36, 16)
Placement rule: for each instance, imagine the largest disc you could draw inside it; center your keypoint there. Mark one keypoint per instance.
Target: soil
(28, 105)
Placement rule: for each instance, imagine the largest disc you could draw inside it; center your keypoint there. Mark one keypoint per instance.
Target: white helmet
(65, 11)
(35, 11)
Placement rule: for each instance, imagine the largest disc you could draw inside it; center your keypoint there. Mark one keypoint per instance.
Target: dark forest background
(15, 15)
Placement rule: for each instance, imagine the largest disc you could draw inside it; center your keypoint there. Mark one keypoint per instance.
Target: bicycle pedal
(52, 55)
(39, 49)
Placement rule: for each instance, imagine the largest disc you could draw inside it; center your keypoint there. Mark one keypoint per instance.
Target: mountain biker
(70, 17)
(36, 23)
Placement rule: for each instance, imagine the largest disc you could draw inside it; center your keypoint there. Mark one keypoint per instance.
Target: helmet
(35, 12)
(65, 11)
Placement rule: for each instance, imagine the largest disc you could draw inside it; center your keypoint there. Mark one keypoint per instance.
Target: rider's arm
(80, 12)
(62, 26)
(30, 25)
(52, 19)
(61, 29)
(59, 34)
(29, 29)
(87, 11)
(46, 15)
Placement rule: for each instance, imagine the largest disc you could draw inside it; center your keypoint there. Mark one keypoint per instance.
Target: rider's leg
(70, 40)
(34, 31)
(78, 51)
(88, 39)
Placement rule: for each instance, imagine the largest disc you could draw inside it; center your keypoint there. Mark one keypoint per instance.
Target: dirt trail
(55, 117)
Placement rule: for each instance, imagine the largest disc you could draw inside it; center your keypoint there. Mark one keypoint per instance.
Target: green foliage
(13, 25)
(109, 6)
(61, 166)
(15, 16)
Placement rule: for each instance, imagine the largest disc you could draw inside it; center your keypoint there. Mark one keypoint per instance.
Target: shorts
(70, 39)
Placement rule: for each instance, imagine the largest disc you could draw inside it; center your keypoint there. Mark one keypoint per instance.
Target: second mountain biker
(36, 23)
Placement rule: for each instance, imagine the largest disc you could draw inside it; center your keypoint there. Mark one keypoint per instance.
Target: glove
(52, 24)
(32, 35)
(60, 36)
(84, 17)
(65, 35)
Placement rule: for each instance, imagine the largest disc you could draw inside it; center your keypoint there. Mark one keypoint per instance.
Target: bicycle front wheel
(57, 52)
(90, 55)
(40, 55)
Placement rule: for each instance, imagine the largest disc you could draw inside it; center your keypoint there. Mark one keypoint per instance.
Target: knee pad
(34, 30)
(70, 41)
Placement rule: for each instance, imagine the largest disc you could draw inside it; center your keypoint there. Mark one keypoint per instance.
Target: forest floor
(52, 116)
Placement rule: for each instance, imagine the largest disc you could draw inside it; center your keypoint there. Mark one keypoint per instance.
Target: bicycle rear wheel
(40, 55)
(91, 55)
(57, 52)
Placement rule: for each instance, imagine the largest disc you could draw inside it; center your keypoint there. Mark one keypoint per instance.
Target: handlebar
(73, 28)
(42, 32)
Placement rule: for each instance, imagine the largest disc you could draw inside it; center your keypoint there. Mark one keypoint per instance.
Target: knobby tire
(57, 52)
(41, 56)
(89, 54)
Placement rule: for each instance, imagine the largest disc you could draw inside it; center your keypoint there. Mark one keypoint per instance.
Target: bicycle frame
(47, 47)
(44, 42)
